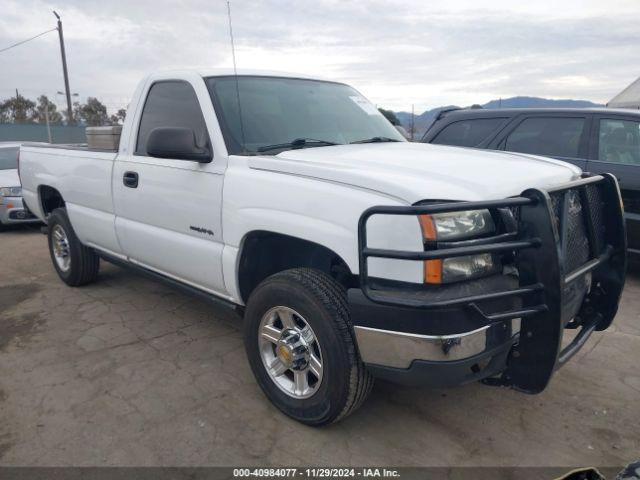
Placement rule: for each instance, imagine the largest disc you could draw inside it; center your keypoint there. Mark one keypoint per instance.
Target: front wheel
(75, 263)
(300, 345)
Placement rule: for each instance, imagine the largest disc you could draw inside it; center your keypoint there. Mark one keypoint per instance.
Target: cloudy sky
(429, 53)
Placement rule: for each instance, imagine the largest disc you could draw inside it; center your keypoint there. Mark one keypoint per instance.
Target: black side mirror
(177, 143)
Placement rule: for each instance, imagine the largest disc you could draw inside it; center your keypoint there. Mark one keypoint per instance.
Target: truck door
(168, 211)
(563, 136)
(615, 148)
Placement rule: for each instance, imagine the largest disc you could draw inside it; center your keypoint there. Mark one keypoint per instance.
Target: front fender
(318, 211)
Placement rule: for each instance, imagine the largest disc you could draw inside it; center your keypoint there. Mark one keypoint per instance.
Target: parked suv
(597, 140)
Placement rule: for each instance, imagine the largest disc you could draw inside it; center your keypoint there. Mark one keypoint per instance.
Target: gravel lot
(129, 372)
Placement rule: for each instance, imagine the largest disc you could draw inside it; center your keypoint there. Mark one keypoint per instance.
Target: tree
(17, 110)
(75, 111)
(390, 115)
(119, 116)
(4, 114)
(45, 104)
(93, 113)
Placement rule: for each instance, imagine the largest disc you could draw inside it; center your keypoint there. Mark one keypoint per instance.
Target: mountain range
(424, 120)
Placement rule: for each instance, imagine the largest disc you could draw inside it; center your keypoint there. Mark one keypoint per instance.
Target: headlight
(468, 267)
(456, 226)
(10, 192)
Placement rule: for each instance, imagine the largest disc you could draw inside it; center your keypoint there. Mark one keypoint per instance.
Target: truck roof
(221, 72)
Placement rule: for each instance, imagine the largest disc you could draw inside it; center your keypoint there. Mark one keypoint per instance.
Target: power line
(27, 40)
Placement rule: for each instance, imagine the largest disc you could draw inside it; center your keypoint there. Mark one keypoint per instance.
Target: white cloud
(397, 53)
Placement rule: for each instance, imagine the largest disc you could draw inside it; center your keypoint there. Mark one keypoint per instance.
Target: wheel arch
(49, 198)
(264, 253)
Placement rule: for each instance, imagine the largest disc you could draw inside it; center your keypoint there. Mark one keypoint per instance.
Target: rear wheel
(300, 346)
(75, 263)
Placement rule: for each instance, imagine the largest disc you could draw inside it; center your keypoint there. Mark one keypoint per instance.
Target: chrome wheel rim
(290, 352)
(60, 244)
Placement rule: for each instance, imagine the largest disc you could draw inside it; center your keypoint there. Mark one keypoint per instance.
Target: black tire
(322, 302)
(84, 262)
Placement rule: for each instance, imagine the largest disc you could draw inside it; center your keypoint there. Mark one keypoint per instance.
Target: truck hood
(416, 171)
(9, 178)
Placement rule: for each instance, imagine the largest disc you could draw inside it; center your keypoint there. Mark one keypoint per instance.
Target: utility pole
(46, 117)
(64, 70)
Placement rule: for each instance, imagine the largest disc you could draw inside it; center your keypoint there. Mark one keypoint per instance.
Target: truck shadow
(21, 228)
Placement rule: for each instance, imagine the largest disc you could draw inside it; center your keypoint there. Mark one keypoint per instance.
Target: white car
(12, 210)
(352, 253)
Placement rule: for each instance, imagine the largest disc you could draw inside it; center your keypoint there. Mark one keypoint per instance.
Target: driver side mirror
(176, 143)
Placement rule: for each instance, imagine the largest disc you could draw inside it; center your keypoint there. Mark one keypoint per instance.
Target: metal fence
(39, 133)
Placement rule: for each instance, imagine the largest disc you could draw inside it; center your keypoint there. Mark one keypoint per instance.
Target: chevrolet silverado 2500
(352, 253)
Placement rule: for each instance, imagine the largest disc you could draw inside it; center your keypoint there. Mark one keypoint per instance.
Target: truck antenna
(235, 74)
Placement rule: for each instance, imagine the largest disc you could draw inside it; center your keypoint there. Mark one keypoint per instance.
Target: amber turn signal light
(432, 268)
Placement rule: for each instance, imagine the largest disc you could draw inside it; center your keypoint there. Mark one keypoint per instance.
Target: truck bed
(81, 176)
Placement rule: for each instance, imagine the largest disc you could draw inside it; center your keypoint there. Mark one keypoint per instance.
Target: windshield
(279, 111)
(9, 158)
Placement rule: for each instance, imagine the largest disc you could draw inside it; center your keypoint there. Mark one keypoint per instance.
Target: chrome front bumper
(399, 349)
(13, 212)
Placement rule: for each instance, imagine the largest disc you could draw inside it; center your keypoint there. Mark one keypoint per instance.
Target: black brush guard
(542, 250)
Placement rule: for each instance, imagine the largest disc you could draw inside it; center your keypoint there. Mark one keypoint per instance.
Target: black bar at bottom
(387, 297)
(509, 315)
(587, 267)
(527, 312)
(577, 343)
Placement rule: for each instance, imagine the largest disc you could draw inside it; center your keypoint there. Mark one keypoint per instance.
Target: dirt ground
(129, 372)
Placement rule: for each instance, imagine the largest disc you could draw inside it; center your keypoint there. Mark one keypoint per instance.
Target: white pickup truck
(352, 253)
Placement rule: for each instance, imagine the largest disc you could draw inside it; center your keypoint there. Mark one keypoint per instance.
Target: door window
(171, 104)
(551, 136)
(619, 141)
(467, 133)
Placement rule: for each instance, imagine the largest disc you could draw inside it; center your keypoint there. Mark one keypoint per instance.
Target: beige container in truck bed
(104, 138)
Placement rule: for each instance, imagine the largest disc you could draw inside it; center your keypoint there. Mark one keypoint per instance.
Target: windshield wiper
(376, 140)
(297, 143)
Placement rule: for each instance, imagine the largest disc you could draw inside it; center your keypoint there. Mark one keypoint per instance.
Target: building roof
(627, 98)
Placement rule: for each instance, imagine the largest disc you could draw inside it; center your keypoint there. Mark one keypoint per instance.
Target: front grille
(556, 207)
(577, 250)
(596, 209)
